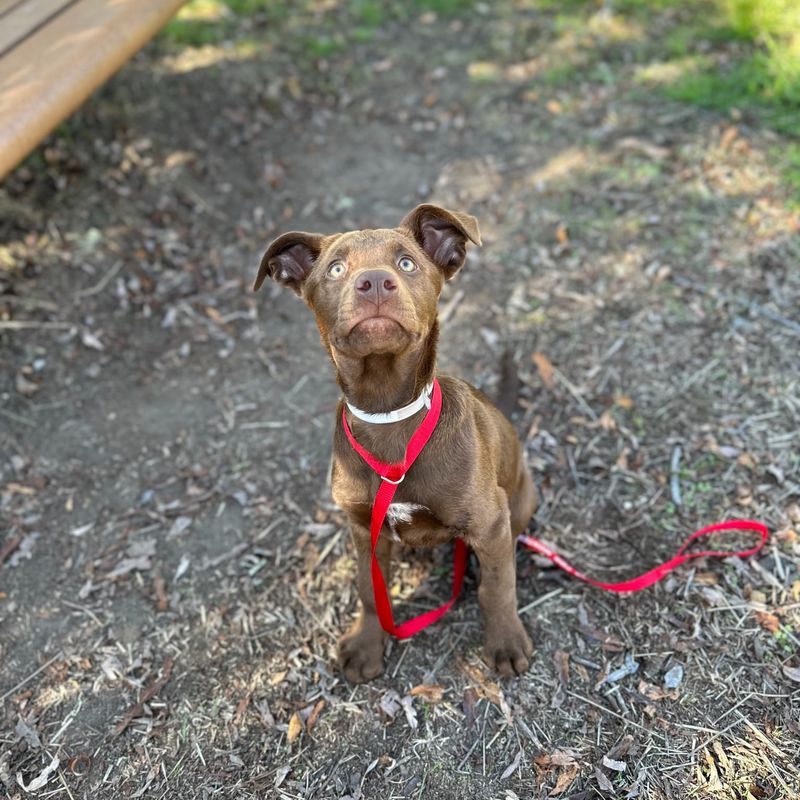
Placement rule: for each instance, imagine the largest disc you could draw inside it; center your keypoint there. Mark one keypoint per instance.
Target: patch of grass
(204, 22)
(789, 159)
(766, 81)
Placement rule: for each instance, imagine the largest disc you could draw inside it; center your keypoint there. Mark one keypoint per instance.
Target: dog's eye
(406, 264)
(337, 269)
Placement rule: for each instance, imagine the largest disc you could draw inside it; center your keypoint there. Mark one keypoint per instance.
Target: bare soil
(174, 575)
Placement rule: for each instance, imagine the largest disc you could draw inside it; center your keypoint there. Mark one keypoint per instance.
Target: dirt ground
(173, 575)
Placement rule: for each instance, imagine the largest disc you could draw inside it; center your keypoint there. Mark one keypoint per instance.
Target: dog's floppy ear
(443, 235)
(289, 259)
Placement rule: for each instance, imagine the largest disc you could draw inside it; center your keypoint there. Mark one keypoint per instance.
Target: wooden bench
(55, 53)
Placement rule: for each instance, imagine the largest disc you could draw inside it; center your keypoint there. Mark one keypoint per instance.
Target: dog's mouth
(378, 332)
(379, 325)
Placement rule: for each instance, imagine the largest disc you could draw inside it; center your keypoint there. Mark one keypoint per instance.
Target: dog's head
(374, 291)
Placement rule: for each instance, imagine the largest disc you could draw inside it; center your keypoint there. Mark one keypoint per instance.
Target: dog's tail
(509, 384)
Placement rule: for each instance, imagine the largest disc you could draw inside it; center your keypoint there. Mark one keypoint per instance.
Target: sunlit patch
(192, 58)
(614, 27)
(563, 165)
(203, 11)
(484, 71)
(54, 696)
(748, 767)
(663, 73)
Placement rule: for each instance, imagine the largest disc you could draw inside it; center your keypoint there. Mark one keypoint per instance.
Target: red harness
(392, 476)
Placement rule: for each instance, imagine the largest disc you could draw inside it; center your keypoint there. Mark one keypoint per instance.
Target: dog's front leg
(507, 645)
(361, 648)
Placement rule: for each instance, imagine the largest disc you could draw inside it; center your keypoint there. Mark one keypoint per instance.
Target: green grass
(765, 81)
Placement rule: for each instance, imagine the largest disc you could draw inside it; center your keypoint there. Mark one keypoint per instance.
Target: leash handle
(657, 573)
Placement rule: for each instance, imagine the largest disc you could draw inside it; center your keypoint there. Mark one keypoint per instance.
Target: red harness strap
(391, 477)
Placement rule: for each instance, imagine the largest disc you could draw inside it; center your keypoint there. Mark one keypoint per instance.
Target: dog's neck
(377, 384)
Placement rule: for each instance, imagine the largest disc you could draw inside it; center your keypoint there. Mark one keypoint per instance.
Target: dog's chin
(375, 336)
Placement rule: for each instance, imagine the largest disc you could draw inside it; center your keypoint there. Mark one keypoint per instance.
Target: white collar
(399, 413)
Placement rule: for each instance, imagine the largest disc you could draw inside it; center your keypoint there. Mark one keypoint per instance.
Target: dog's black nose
(376, 285)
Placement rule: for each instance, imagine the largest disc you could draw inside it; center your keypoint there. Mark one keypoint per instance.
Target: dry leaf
(727, 138)
(295, 727)
(411, 715)
(602, 781)
(558, 758)
(561, 660)
(278, 677)
(314, 715)
(607, 421)
(545, 368)
(432, 693)
(562, 235)
(623, 401)
(565, 779)
(792, 673)
(769, 622)
(554, 107)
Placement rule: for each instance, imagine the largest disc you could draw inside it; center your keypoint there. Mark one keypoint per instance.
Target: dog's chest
(402, 513)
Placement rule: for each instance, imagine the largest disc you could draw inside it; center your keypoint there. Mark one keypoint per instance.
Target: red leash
(656, 574)
(392, 476)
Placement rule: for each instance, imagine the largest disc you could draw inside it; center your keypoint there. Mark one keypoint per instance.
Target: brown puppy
(374, 294)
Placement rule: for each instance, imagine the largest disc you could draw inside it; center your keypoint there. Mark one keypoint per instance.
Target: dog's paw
(361, 657)
(507, 647)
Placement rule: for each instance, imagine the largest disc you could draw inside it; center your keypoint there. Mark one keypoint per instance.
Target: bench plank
(7, 5)
(48, 74)
(24, 18)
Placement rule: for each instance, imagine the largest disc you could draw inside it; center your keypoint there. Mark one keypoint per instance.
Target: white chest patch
(401, 512)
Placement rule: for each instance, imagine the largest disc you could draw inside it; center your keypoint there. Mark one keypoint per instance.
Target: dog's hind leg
(523, 501)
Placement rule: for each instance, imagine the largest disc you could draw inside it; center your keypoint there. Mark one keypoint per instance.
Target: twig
(30, 677)
(626, 720)
(674, 477)
(543, 599)
(9, 547)
(23, 324)
(102, 283)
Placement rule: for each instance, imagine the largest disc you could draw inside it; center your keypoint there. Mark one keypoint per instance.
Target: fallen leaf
(617, 766)
(411, 715)
(623, 401)
(41, 779)
(25, 386)
(545, 368)
(512, 767)
(767, 621)
(314, 715)
(561, 660)
(278, 677)
(728, 136)
(602, 781)
(281, 773)
(90, 340)
(562, 234)
(432, 693)
(607, 421)
(565, 779)
(558, 758)
(792, 673)
(390, 703)
(295, 727)
(554, 107)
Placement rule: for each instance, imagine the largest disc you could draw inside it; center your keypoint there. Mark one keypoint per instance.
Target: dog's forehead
(366, 243)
